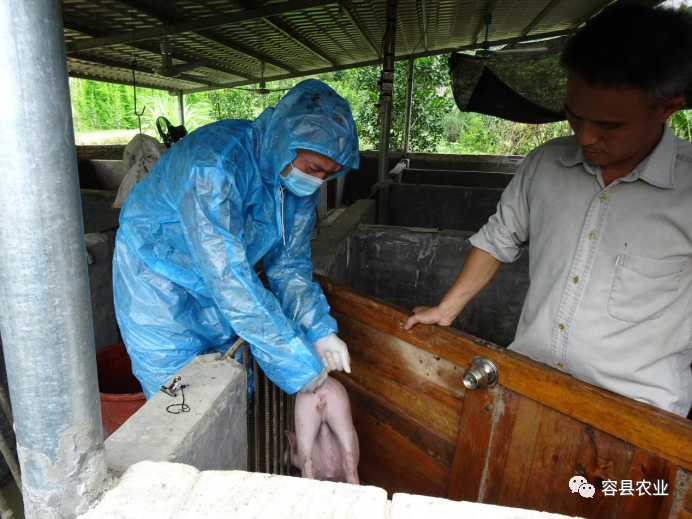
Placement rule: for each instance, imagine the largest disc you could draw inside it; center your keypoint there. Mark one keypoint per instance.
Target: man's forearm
(478, 269)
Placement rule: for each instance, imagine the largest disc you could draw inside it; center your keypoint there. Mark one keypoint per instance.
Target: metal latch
(172, 390)
(481, 373)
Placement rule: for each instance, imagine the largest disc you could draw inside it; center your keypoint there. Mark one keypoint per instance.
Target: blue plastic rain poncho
(192, 230)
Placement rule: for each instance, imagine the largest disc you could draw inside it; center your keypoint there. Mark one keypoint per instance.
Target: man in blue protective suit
(226, 196)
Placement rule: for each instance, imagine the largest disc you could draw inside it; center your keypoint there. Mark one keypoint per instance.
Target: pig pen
(421, 430)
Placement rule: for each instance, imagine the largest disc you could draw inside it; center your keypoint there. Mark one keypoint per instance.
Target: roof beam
(354, 21)
(424, 16)
(292, 35)
(538, 19)
(223, 68)
(207, 35)
(138, 68)
(197, 25)
(78, 75)
(606, 3)
(259, 56)
(402, 57)
(591, 14)
(488, 10)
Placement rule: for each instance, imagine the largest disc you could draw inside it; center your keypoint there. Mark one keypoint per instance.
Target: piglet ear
(292, 441)
(291, 455)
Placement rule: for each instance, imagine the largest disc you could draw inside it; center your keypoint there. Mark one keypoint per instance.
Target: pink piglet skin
(325, 444)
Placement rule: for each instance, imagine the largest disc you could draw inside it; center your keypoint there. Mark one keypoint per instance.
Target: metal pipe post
(387, 89)
(181, 108)
(45, 308)
(409, 105)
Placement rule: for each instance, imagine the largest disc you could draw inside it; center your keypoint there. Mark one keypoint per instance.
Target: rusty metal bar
(282, 428)
(247, 405)
(267, 454)
(278, 417)
(233, 349)
(255, 399)
(275, 429)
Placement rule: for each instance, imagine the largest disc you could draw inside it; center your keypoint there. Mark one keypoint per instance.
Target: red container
(121, 392)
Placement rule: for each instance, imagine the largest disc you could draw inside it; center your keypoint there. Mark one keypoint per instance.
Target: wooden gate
(516, 444)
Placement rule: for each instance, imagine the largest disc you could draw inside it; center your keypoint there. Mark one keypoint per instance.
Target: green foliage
(477, 133)
(160, 104)
(101, 106)
(681, 122)
(436, 124)
(431, 102)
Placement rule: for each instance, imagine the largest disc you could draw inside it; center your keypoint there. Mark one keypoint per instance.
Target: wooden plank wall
(421, 432)
(406, 408)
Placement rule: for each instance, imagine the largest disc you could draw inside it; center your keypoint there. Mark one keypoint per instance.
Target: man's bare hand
(428, 315)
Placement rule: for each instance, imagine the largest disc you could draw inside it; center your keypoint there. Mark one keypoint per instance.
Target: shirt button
(561, 326)
(591, 234)
(602, 197)
(559, 364)
(575, 279)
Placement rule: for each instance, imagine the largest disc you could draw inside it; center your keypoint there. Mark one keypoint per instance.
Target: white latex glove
(315, 382)
(334, 353)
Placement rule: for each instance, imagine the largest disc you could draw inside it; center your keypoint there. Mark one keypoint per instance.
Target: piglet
(325, 444)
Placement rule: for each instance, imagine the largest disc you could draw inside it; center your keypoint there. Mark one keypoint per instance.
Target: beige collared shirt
(610, 300)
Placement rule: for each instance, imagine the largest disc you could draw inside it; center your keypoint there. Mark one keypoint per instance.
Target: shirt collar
(657, 169)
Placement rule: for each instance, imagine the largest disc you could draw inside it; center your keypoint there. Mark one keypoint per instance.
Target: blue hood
(310, 116)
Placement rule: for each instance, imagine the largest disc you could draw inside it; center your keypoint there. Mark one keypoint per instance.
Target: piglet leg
(341, 423)
(308, 424)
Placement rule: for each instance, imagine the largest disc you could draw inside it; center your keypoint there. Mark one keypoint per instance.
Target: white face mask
(299, 183)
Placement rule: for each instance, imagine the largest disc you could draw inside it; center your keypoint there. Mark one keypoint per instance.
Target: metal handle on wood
(481, 373)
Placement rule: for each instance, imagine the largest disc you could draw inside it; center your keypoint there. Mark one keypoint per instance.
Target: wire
(184, 408)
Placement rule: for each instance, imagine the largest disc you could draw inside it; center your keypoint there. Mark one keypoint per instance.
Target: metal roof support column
(387, 89)
(181, 108)
(45, 308)
(409, 105)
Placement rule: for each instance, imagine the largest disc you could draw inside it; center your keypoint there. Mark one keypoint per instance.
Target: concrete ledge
(168, 490)
(213, 435)
(175, 491)
(332, 251)
(406, 506)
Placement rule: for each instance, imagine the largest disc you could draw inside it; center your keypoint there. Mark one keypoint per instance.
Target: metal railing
(269, 413)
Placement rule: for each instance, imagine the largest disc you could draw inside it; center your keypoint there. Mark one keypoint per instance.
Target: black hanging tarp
(523, 87)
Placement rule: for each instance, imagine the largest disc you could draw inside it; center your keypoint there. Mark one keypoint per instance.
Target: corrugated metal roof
(291, 38)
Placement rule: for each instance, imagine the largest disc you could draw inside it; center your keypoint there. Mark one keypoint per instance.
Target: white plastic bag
(139, 158)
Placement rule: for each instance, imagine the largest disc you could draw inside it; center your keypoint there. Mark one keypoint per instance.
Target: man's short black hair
(631, 45)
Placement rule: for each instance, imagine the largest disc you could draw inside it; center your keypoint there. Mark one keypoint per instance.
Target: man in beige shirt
(607, 217)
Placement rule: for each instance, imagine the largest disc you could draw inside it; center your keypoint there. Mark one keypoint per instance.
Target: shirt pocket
(643, 288)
